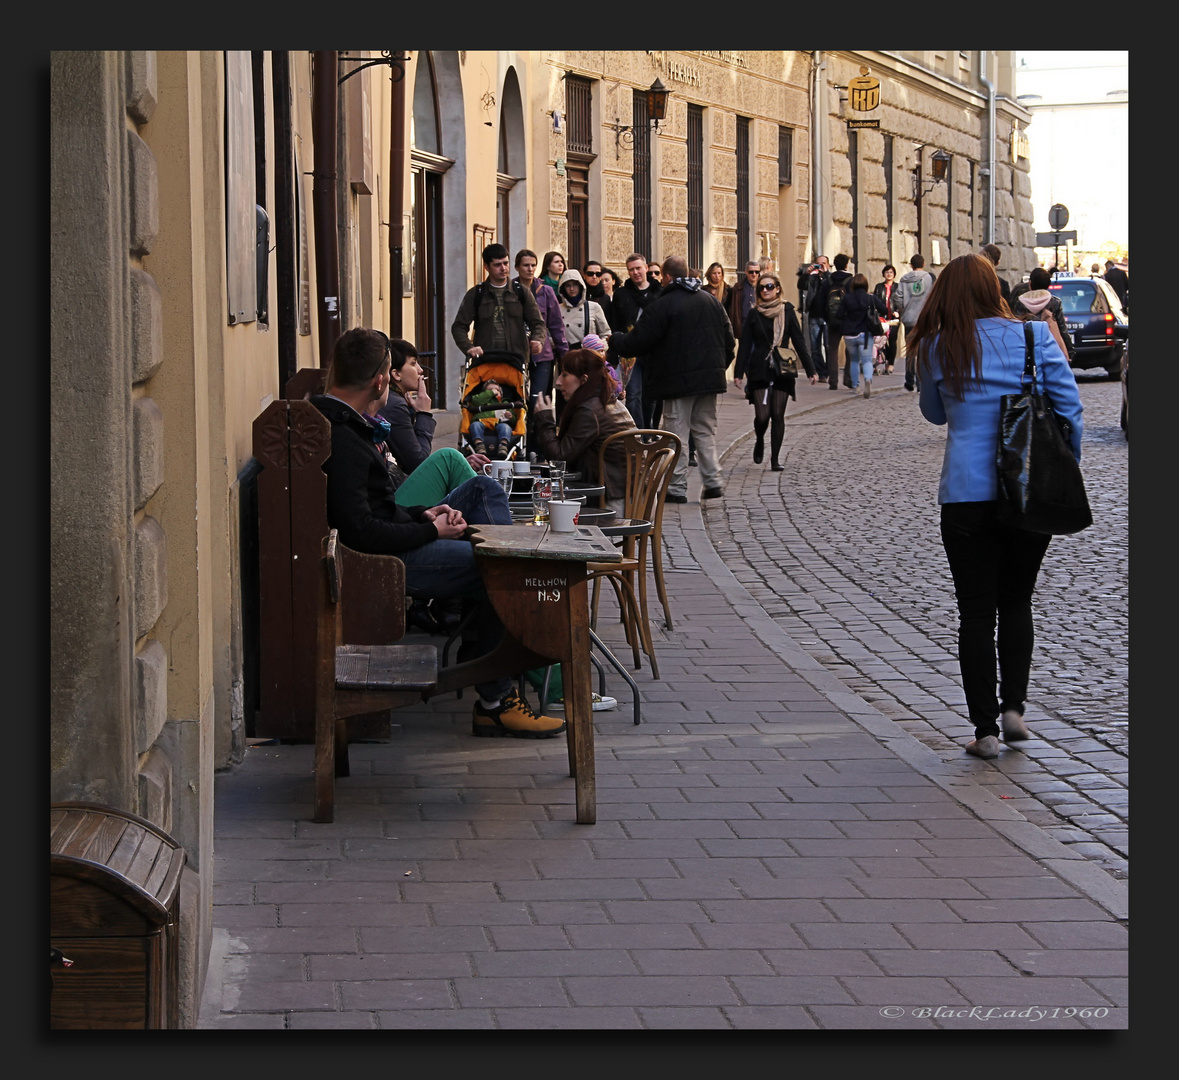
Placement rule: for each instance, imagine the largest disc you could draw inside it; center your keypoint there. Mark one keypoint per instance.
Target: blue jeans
(818, 332)
(446, 569)
(634, 394)
(503, 433)
(860, 350)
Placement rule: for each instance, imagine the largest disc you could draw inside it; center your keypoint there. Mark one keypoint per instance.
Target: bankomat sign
(863, 95)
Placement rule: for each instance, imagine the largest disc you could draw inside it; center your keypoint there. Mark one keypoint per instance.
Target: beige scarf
(775, 310)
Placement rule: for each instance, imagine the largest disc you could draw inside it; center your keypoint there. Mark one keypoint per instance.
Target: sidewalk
(770, 852)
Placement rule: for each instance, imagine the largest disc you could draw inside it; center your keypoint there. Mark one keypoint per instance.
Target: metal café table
(536, 581)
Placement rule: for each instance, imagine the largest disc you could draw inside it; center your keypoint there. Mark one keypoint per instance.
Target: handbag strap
(1029, 357)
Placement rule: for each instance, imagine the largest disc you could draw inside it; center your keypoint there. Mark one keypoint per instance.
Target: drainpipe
(323, 191)
(396, 201)
(989, 220)
(818, 126)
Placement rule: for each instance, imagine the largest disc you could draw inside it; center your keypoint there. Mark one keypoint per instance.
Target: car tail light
(1109, 324)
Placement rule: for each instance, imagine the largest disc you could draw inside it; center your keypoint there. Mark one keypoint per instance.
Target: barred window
(785, 156)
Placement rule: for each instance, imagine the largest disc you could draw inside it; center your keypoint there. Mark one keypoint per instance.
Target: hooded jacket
(685, 340)
(584, 316)
(915, 286)
(1042, 305)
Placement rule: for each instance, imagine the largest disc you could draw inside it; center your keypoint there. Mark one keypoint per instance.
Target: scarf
(775, 310)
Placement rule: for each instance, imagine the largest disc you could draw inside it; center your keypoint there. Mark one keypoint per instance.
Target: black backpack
(834, 299)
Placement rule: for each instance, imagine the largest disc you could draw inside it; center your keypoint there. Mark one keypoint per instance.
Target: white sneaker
(601, 704)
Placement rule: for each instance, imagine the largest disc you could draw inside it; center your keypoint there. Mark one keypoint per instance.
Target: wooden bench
(352, 679)
(291, 441)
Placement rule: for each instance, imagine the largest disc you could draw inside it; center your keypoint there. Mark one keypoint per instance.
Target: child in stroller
(492, 423)
(493, 420)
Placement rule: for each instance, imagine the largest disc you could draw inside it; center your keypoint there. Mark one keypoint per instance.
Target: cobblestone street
(842, 550)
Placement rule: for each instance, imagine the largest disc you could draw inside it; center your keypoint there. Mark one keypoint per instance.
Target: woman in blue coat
(969, 352)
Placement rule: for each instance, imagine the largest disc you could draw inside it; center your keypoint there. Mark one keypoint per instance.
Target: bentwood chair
(651, 456)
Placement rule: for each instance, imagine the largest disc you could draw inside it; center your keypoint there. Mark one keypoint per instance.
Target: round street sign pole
(1057, 219)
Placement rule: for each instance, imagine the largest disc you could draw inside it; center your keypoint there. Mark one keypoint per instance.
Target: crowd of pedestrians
(606, 353)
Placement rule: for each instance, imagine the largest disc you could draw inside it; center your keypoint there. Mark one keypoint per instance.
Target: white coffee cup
(563, 515)
(497, 469)
(521, 468)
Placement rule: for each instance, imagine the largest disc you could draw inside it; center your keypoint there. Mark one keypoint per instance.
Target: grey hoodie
(914, 288)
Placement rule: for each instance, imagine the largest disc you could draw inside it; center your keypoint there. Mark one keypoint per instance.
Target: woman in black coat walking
(771, 322)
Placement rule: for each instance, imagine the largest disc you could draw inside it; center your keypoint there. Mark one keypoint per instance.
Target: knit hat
(593, 342)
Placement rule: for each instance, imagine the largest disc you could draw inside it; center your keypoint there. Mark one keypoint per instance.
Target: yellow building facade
(219, 218)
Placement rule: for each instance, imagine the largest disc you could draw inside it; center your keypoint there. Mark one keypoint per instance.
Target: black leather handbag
(1040, 484)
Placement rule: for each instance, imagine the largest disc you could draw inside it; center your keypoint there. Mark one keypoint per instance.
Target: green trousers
(434, 479)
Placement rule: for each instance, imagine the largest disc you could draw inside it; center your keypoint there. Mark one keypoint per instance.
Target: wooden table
(536, 581)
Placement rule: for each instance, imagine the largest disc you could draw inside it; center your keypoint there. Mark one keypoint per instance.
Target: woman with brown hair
(714, 282)
(551, 269)
(771, 322)
(969, 352)
(586, 421)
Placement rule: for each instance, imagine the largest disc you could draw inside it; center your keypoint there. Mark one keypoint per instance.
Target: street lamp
(656, 94)
(939, 163)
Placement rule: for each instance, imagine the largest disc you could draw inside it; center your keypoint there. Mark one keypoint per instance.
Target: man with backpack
(914, 288)
(811, 280)
(505, 313)
(830, 297)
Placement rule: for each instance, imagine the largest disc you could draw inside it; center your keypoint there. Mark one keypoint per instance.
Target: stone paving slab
(809, 864)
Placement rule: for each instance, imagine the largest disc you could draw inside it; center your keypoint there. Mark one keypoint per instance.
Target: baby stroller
(511, 373)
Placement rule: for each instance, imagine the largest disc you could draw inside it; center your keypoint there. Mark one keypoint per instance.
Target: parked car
(1095, 318)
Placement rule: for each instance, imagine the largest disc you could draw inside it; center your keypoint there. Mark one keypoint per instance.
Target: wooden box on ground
(114, 914)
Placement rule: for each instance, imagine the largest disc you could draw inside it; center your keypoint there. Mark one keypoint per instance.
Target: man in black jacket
(1119, 281)
(627, 307)
(439, 563)
(687, 342)
(594, 288)
(836, 282)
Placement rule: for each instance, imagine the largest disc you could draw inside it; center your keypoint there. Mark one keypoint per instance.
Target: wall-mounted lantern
(657, 95)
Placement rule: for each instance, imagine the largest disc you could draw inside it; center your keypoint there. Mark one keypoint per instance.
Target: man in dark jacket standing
(837, 282)
(687, 342)
(627, 307)
(1119, 281)
(505, 320)
(594, 288)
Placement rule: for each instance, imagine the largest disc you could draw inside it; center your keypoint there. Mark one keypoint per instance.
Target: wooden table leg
(579, 709)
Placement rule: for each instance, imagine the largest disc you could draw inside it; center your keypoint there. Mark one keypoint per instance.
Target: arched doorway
(511, 198)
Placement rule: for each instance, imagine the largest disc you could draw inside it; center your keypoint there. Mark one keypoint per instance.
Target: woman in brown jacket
(588, 418)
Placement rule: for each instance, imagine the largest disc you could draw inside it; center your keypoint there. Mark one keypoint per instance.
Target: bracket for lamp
(939, 163)
(395, 61)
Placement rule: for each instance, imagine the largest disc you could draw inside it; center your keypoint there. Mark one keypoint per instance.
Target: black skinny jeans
(994, 569)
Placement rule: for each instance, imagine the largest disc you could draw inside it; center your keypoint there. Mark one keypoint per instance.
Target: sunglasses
(384, 356)
(593, 273)
(767, 288)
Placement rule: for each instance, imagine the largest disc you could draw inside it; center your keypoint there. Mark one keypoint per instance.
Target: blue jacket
(969, 468)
